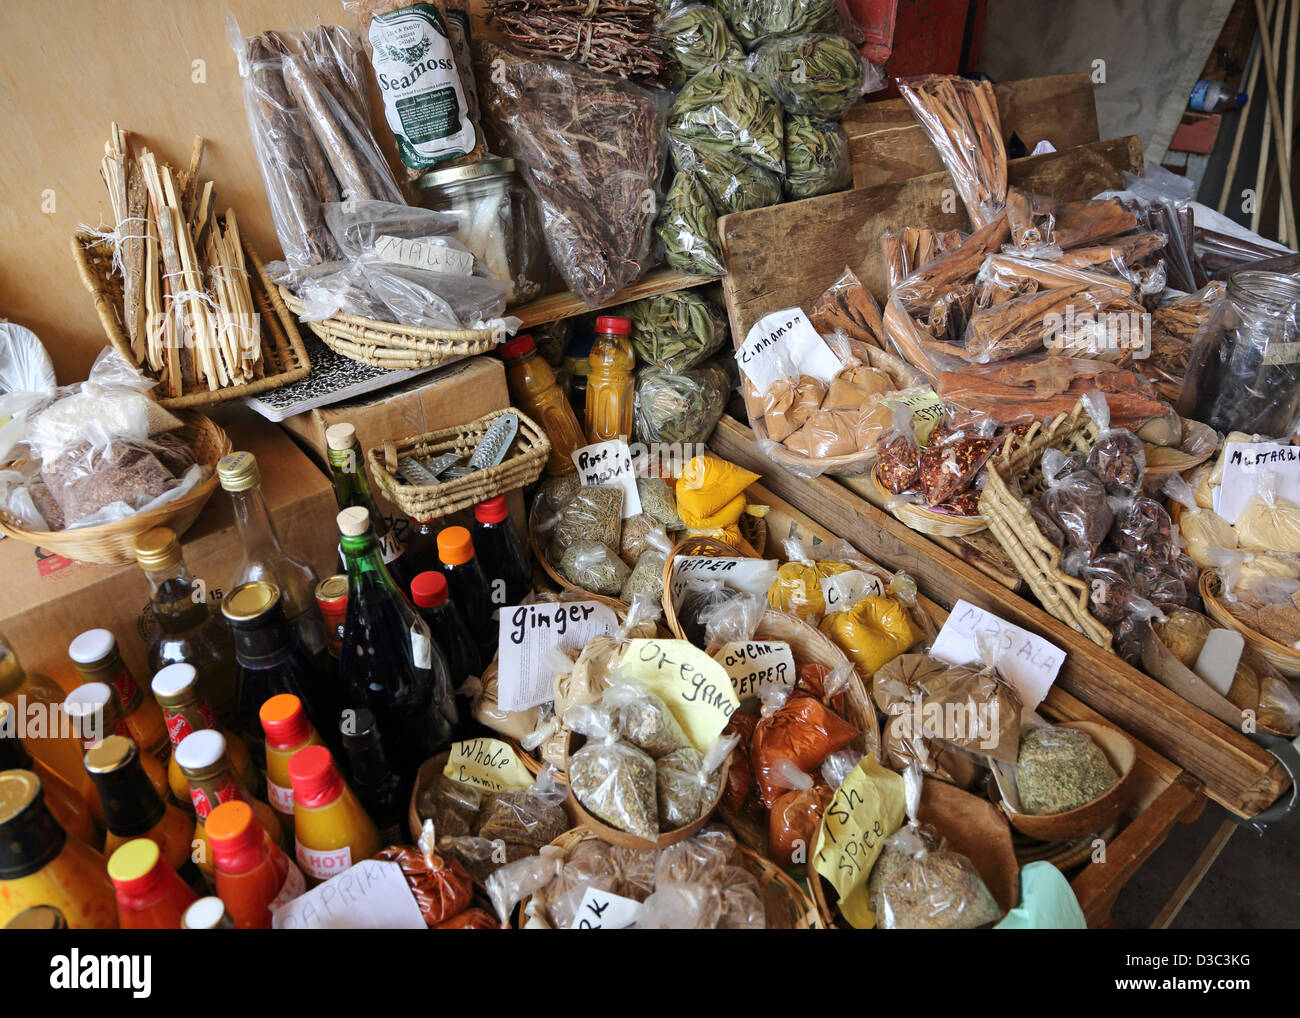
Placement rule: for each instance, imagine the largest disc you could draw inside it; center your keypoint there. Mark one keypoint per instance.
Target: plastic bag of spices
(613, 779)
(949, 464)
(688, 781)
(591, 566)
(1076, 502)
(441, 887)
(918, 884)
(1118, 456)
(644, 719)
(802, 732)
(594, 513)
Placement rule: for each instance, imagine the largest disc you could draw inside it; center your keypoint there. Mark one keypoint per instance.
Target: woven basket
(710, 547)
(925, 520)
(284, 358)
(1285, 659)
(1036, 559)
(851, 465)
(1198, 444)
(522, 466)
(114, 543)
(782, 896)
(390, 346)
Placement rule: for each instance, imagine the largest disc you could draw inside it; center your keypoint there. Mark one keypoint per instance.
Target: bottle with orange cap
(96, 656)
(176, 688)
(150, 894)
(534, 389)
(213, 780)
(42, 864)
(331, 829)
(610, 384)
(288, 732)
(390, 662)
(501, 552)
(96, 713)
(469, 587)
(68, 807)
(33, 696)
(254, 876)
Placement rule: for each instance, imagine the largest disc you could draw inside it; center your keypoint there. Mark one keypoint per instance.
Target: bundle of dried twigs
(610, 36)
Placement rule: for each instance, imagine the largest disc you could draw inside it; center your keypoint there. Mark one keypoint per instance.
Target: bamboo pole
(1255, 63)
(1288, 117)
(1272, 45)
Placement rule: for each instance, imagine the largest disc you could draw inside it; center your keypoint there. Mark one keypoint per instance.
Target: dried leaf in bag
(755, 21)
(595, 513)
(646, 579)
(727, 109)
(816, 157)
(687, 226)
(698, 37)
(1061, 769)
(684, 792)
(814, 75)
(646, 721)
(591, 566)
(522, 819)
(615, 781)
(734, 184)
(659, 502)
(681, 408)
(676, 331)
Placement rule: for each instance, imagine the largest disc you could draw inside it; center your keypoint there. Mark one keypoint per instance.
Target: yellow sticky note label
(489, 764)
(696, 688)
(864, 811)
(927, 411)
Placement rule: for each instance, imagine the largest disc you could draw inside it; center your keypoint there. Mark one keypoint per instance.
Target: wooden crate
(1165, 793)
(1236, 772)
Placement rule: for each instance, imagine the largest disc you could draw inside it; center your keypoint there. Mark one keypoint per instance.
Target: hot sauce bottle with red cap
(150, 894)
(331, 829)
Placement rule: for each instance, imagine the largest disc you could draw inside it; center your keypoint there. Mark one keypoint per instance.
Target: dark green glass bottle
(389, 662)
(352, 488)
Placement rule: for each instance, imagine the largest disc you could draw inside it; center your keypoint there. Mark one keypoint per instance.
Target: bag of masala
(800, 733)
(918, 884)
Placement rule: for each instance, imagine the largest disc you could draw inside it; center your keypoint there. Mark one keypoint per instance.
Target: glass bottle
(254, 876)
(533, 388)
(38, 917)
(577, 364)
(610, 383)
(430, 595)
(41, 864)
(272, 660)
(468, 587)
(207, 914)
(332, 596)
(501, 552)
(262, 557)
(288, 731)
(150, 894)
(352, 488)
(187, 631)
(35, 696)
(96, 656)
(213, 781)
(331, 829)
(134, 809)
(67, 805)
(96, 713)
(390, 662)
(381, 792)
(176, 688)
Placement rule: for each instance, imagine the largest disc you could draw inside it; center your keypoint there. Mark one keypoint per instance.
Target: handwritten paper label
(747, 575)
(864, 811)
(610, 463)
(604, 910)
(423, 254)
(843, 590)
(927, 411)
(757, 665)
(695, 687)
(489, 764)
(524, 635)
(1250, 467)
(1027, 661)
(372, 895)
(784, 344)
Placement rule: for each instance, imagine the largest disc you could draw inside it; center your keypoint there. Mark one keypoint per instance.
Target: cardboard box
(46, 600)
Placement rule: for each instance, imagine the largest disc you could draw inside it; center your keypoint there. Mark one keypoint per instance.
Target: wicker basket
(710, 547)
(1285, 659)
(925, 520)
(851, 465)
(1036, 559)
(393, 347)
(114, 543)
(284, 358)
(522, 466)
(1197, 445)
(782, 896)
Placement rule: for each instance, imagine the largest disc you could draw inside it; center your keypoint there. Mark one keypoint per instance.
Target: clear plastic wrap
(732, 182)
(800, 734)
(798, 587)
(487, 711)
(950, 463)
(521, 879)
(1143, 531)
(688, 226)
(816, 157)
(594, 513)
(357, 226)
(643, 533)
(1111, 583)
(898, 454)
(688, 782)
(728, 109)
(644, 719)
(592, 566)
(682, 408)
(755, 21)
(1117, 456)
(1060, 769)
(697, 602)
(815, 75)
(25, 366)
(848, 309)
(646, 578)
(1076, 502)
(676, 331)
(733, 621)
(592, 150)
(658, 501)
(613, 779)
(698, 37)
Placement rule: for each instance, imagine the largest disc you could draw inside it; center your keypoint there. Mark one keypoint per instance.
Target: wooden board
(556, 306)
(888, 144)
(787, 255)
(1236, 772)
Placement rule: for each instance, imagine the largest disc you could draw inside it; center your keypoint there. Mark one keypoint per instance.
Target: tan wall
(70, 67)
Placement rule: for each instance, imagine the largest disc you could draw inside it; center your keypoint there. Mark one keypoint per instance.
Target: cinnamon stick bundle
(848, 305)
(1016, 327)
(1128, 251)
(1081, 223)
(1031, 216)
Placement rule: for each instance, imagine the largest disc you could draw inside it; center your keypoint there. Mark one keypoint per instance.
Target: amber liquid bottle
(96, 713)
(187, 630)
(67, 805)
(95, 654)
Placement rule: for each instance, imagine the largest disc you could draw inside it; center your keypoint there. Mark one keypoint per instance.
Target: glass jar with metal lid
(1243, 373)
(498, 221)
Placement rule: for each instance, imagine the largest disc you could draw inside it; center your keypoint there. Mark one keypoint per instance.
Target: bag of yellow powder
(711, 493)
(873, 632)
(798, 587)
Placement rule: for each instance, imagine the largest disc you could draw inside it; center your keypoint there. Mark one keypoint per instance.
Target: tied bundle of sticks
(610, 36)
(187, 303)
(961, 118)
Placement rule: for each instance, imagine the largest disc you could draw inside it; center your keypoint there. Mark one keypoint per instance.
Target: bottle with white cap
(389, 661)
(95, 654)
(96, 713)
(207, 914)
(352, 488)
(263, 558)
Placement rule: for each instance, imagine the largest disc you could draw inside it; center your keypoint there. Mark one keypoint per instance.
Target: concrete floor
(1254, 884)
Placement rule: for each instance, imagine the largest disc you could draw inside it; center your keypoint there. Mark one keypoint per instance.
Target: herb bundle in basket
(611, 36)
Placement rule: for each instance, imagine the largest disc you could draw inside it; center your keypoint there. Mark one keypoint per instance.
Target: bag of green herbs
(725, 108)
(676, 331)
(683, 407)
(815, 75)
(816, 157)
(756, 21)
(734, 184)
(697, 37)
(687, 228)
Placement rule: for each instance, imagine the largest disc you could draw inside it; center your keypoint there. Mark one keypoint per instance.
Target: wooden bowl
(1090, 817)
(969, 825)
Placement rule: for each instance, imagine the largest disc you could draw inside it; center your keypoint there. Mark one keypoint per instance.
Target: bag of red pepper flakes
(898, 454)
(956, 454)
